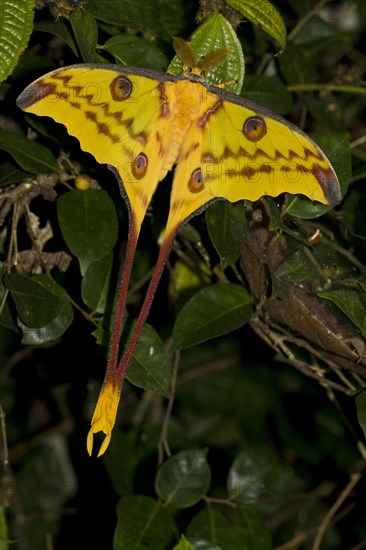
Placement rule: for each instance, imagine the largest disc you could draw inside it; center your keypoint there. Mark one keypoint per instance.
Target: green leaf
(212, 312)
(257, 471)
(214, 34)
(151, 366)
(352, 303)
(361, 411)
(250, 529)
(226, 397)
(336, 148)
(263, 14)
(42, 305)
(134, 449)
(49, 466)
(227, 227)
(31, 63)
(318, 111)
(186, 278)
(184, 479)
(4, 529)
(183, 544)
(136, 52)
(36, 303)
(89, 224)
(132, 13)
(172, 18)
(30, 156)
(210, 525)
(295, 67)
(6, 317)
(316, 34)
(268, 91)
(246, 532)
(142, 523)
(202, 544)
(95, 283)
(11, 174)
(299, 267)
(59, 29)
(86, 33)
(15, 29)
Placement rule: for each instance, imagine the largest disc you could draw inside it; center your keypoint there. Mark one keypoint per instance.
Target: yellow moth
(142, 123)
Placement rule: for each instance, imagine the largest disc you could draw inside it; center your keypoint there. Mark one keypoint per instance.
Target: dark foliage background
(250, 440)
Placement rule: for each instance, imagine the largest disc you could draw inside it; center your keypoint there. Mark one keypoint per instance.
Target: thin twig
(355, 478)
(221, 363)
(359, 546)
(49, 543)
(5, 450)
(163, 441)
(224, 501)
(143, 405)
(310, 87)
(306, 18)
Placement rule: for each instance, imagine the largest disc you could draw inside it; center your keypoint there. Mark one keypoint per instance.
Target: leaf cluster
(243, 415)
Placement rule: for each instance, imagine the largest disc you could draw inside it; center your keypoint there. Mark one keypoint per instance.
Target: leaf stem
(306, 18)
(305, 87)
(163, 441)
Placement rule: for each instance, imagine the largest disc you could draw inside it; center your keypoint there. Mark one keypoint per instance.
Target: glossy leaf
(42, 305)
(214, 34)
(352, 303)
(136, 52)
(96, 283)
(135, 448)
(36, 303)
(263, 14)
(227, 227)
(299, 267)
(88, 222)
(16, 23)
(210, 525)
(59, 29)
(184, 479)
(151, 365)
(133, 13)
(257, 471)
(11, 174)
(336, 147)
(30, 156)
(142, 523)
(54, 330)
(250, 529)
(247, 530)
(86, 33)
(202, 544)
(172, 19)
(212, 312)
(183, 544)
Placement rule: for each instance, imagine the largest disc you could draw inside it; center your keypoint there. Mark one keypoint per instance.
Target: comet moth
(144, 123)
